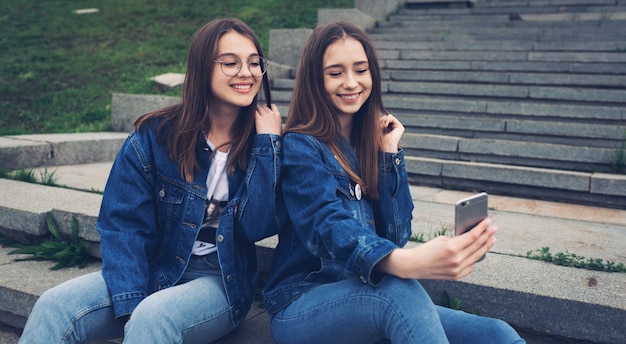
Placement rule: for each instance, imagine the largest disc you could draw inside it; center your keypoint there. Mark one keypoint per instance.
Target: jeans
(80, 310)
(398, 311)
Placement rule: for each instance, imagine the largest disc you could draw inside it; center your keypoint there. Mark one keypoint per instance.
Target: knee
(408, 297)
(148, 315)
(400, 288)
(53, 300)
(55, 305)
(151, 311)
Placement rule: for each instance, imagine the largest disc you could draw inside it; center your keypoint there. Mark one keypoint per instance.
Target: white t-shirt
(217, 193)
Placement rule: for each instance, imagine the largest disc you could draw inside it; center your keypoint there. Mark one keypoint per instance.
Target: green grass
(65, 252)
(59, 69)
(574, 260)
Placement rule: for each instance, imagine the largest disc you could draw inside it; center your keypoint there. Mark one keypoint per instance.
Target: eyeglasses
(231, 65)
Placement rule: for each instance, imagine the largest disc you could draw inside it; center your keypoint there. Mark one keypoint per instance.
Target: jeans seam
(82, 313)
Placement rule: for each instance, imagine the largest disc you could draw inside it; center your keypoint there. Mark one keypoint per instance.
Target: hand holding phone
(469, 212)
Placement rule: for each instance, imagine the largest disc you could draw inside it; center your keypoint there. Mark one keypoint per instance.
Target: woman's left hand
(391, 132)
(268, 121)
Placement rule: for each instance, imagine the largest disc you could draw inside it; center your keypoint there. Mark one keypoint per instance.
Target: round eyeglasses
(231, 65)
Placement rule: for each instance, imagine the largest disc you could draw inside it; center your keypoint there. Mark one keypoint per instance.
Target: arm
(394, 206)
(262, 212)
(126, 224)
(441, 258)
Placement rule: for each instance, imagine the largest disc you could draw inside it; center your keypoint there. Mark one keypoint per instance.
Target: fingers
(471, 246)
(388, 123)
(268, 120)
(391, 132)
(265, 110)
(479, 240)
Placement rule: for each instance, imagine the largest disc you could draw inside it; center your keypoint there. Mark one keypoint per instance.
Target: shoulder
(299, 141)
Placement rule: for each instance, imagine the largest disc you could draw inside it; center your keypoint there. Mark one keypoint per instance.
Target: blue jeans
(398, 311)
(80, 310)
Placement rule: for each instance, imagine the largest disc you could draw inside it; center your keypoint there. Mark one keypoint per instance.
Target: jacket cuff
(267, 143)
(125, 304)
(391, 162)
(369, 274)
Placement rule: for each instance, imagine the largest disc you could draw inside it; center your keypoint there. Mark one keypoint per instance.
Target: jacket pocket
(170, 203)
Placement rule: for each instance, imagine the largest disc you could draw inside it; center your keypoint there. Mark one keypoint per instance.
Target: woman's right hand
(442, 258)
(391, 131)
(268, 121)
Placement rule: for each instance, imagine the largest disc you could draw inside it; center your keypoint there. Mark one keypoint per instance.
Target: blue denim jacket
(150, 217)
(332, 233)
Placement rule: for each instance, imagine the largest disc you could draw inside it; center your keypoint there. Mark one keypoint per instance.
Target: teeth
(350, 97)
(242, 87)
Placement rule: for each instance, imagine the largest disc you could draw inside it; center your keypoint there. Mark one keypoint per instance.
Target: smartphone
(266, 89)
(469, 212)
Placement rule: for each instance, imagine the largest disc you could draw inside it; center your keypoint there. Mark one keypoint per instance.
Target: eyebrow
(233, 54)
(339, 65)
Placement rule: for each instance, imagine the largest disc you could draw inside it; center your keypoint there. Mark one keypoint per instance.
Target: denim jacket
(332, 233)
(150, 217)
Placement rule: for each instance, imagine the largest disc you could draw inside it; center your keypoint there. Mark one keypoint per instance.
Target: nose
(350, 81)
(244, 71)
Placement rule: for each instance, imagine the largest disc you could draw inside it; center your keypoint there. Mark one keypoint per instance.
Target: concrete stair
(519, 91)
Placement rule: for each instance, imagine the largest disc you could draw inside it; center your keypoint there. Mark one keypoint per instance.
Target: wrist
(393, 149)
(392, 263)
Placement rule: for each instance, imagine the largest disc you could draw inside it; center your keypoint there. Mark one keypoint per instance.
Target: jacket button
(162, 193)
(397, 161)
(229, 278)
(220, 238)
(363, 279)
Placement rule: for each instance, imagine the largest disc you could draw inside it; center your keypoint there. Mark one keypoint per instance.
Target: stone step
(413, 52)
(522, 7)
(575, 21)
(512, 92)
(510, 152)
(567, 133)
(27, 151)
(522, 181)
(599, 42)
(522, 109)
(506, 78)
(541, 4)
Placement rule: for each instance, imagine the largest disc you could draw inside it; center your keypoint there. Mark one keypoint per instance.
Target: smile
(242, 87)
(350, 97)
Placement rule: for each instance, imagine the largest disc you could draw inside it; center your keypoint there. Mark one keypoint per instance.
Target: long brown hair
(311, 111)
(188, 121)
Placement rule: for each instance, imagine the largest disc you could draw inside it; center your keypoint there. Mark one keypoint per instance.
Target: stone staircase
(518, 97)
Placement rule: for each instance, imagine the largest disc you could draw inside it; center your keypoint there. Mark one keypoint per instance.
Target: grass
(574, 260)
(58, 69)
(28, 175)
(422, 237)
(65, 252)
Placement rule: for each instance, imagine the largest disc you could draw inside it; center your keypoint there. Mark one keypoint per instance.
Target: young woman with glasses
(341, 273)
(189, 193)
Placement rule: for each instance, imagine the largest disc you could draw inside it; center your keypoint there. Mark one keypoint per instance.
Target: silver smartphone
(469, 212)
